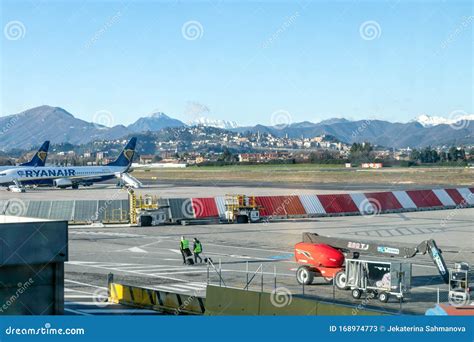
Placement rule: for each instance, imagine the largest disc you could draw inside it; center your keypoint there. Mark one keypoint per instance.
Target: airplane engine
(62, 183)
(318, 255)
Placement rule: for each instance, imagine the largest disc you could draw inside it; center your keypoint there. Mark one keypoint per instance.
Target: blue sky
(250, 59)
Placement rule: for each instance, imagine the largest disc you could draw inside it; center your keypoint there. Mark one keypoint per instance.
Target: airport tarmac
(150, 257)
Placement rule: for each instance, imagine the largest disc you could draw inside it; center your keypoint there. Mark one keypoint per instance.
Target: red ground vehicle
(319, 260)
(323, 256)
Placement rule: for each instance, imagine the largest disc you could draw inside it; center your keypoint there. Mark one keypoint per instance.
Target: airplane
(64, 177)
(38, 160)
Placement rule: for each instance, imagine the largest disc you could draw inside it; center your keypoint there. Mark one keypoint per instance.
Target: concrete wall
(223, 301)
(32, 256)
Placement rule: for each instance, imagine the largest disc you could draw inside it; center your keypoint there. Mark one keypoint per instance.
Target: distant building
(146, 158)
(101, 156)
(371, 165)
(168, 155)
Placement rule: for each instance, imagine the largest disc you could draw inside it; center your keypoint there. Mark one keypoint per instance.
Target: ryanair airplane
(64, 177)
(38, 160)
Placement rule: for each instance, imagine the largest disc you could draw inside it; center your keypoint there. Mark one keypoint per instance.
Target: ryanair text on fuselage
(46, 173)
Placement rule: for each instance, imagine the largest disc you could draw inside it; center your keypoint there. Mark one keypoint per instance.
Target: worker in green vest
(197, 249)
(183, 246)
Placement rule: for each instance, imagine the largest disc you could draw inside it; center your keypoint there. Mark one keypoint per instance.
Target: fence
(264, 278)
(74, 211)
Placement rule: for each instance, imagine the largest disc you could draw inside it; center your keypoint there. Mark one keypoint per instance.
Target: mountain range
(208, 122)
(33, 126)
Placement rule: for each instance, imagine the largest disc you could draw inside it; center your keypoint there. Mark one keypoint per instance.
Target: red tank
(318, 255)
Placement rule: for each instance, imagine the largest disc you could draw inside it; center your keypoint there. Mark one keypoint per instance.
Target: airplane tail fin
(126, 156)
(39, 159)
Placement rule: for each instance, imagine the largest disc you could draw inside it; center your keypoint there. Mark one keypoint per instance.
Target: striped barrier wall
(312, 205)
(405, 200)
(444, 198)
(205, 207)
(157, 300)
(467, 194)
(330, 205)
(338, 204)
(424, 198)
(455, 195)
(270, 207)
(386, 201)
(280, 206)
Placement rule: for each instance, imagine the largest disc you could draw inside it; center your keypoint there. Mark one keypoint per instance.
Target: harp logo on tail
(128, 154)
(42, 155)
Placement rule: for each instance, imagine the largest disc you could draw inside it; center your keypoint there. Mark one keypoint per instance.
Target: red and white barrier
(343, 204)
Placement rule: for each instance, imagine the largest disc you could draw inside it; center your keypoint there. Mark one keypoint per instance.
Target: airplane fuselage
(33, 175)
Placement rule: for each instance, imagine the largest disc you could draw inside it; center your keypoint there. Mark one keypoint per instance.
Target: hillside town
(199, 145)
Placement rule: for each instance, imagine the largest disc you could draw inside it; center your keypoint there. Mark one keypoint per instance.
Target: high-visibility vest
(197, 247)
(184, 244)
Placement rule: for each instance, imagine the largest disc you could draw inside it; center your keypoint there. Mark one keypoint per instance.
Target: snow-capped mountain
(208, 122)
(428, 121)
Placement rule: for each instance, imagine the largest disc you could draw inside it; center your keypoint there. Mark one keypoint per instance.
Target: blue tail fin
(126, 156)
(39, 159)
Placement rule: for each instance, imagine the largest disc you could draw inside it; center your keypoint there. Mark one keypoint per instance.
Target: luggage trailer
(378, 278)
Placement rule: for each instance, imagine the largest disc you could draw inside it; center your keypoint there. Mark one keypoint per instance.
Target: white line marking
(196, 288)
(88, 303)
(109, 264)
(137, 250)
(118, 311)
(158, 269)
(151, 269)
(84, 284)
(430, 288)
(97, 264)
(145, 274)
(77, 312)
(183, 272)
(203, 285)
(168, 289)
(250, 248)
(78, 291)
(143, 266)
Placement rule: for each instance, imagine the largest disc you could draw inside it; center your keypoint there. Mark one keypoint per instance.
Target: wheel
(75, 186)
(356, 293)
(341, 280)
(304, 275)
(383, 297)
(146, 221)
(242, 219)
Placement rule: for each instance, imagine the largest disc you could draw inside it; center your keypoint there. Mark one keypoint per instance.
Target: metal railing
(210, 264)
(249, 281)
